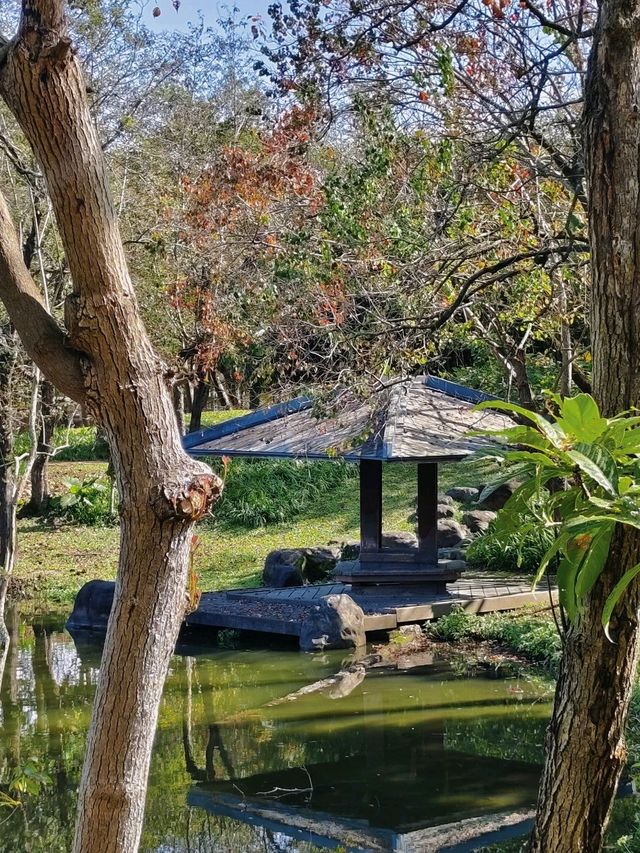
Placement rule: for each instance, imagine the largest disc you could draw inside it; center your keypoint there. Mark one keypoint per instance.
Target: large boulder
(478, 520)
(336, 623)
(296, 566)
(464, 494)
(283, 567)
(451, 533)
(498, 498)
(319, 563)
(92, 607)
(280, 575)
(455, 554)
(349, 551)
(445, 511)
(399, 541)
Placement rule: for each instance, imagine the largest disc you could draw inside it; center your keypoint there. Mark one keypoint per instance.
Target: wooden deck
(282, 611)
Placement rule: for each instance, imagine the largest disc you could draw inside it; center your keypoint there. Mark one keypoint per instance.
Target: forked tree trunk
(585, 741)
(107, 363)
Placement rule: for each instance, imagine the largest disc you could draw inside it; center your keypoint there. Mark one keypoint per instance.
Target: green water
(401, 751)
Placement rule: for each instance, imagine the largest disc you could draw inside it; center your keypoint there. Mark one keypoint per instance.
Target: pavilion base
(433, 578)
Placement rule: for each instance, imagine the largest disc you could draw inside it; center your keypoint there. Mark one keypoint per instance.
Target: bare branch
(554, 25)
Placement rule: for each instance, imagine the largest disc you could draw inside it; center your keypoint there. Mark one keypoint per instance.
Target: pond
(235, 770)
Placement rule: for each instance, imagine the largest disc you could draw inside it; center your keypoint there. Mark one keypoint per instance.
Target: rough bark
(178, 405)
(585, 741)
(124, 387)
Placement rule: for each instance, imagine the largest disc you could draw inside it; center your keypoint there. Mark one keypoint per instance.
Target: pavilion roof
(420, 419)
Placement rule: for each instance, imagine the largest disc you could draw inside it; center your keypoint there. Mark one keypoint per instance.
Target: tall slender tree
(104, 359)
(585, 741)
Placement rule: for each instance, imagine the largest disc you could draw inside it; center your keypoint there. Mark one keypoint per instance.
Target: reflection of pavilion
(352, 801)
(424, 420)
(387, 782)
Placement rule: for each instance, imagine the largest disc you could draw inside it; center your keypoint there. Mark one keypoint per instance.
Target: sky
(210, 9)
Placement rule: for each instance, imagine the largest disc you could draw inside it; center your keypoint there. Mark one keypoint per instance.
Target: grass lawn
(55, 560)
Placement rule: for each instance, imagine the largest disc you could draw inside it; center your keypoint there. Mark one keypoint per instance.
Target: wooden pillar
(427, 512)
(370, 505)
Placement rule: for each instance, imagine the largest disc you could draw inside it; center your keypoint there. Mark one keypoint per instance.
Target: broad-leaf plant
(580, 476)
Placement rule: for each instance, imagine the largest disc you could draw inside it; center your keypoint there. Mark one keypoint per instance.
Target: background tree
(499, 92)
(509, 80)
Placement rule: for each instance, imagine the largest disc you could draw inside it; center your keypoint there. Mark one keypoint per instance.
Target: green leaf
(581, 418)
(508, 474)
(8, 802)
(598, 464)
(556, 548)
(625, 484)
(524, 436)
(551, 431)
(587, 523)
(594, 560)
(615, 596)
(531, 456)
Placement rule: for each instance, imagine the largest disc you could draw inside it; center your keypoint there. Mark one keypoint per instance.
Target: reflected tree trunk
(187, 712)
(8, 362)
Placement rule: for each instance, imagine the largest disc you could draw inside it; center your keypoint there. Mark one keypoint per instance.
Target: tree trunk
(200, 398)
(40, 495)
(223, 393)
(114, 370)
(178, 406)
(585, 741)
(566, 344)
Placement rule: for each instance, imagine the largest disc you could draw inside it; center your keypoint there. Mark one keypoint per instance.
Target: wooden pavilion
(424, 420)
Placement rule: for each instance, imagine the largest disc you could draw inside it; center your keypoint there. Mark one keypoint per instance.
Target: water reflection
(391, 754)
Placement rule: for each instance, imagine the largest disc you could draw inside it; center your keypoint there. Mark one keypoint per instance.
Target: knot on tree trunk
(196, 499)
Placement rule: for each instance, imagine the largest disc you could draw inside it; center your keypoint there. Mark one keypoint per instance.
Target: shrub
(260, 492)
(86, 501)
(502, 555)
(534, 637)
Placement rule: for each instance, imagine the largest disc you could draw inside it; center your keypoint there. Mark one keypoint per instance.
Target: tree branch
(42, 337)
(39, 15)
(554, 25)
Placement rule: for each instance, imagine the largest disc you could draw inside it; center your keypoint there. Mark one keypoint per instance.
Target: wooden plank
(261, 624)
(380, 621)
(480, 604)
(427, 512)
(370, 505)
